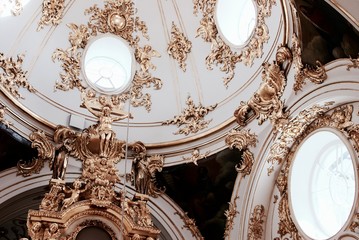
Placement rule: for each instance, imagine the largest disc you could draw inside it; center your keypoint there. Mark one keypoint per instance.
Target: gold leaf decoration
(12, 77)
(117, 17)
(179, 46)
(221, 54)
(2, 117)
(354, 63)
(15, 6)
(52, 13)
(192, 118)
(230, 214)
(242, 140)
(316, 75)
(196, 155)
(255, 225)
(190, 224)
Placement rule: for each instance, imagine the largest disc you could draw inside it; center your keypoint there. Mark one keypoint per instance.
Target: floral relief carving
(12, 76)
(256, 222)
(179, 46)
(117, 17)
(190, 224)
(52, 13)
(221, 54)
(242, 140)
(192, 118)
(316, 75)
(230, 214)
(266, 102)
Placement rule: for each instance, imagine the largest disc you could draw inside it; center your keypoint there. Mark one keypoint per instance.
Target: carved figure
(144, 55)
(52, 232)
(75, 194)
(35, 231)
(59, 164)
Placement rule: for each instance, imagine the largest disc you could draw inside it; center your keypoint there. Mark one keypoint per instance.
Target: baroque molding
(190, 224)
(192, 118)
(265, 102)
(12, 76)
(117, 17)
(179, 46)
(255, 224)
(195, 156)
(52, 13)
(221, 54)
(242, 140)
(316, 75)
(230, 214)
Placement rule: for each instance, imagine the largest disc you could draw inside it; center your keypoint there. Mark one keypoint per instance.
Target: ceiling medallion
(316, 75)
(266, 103)
(284, 147)
(12, 77)
(196, 155)
(52, 13)
(256, 222)
(116, 18)
(242, 140)
(179, 46)
(190, 224)
(192, 118)
(230, 214)
(221, 54)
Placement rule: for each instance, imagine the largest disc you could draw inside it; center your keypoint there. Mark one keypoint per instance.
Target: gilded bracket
(12, 77)
(255, 224)
(179, 46)
(316, 75)
(52, 13)
(242, 140)
(192, 118)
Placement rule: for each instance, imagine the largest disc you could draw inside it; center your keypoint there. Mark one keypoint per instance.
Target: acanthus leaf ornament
(12, 76)
(179, 47)
(316, 75)
(266, 102)
(192, 118)
(242, 140)
(221, 54)
(52, 13)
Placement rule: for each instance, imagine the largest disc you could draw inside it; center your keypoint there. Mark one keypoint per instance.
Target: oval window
(322, 184)
(236, 20)
(108, 64)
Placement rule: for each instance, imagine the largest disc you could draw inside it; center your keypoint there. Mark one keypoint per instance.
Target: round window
(236, 20)
(322, 184)
(108, 64)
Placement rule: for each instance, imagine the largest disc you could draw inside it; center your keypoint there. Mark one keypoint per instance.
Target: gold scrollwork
(190, 224)
(316, 75)
(52, 13)
(192, 118)
(195, 156)
(12, 76)
(222, 54)
(242, 140)
(255, 225)
(117, 17)
(266, 102)
(230, 214)
(179, 46)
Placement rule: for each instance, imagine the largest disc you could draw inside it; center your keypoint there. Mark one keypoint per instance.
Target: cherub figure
(75, 194)
(52, 232)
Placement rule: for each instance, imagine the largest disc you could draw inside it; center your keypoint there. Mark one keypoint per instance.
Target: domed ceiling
(188, 78)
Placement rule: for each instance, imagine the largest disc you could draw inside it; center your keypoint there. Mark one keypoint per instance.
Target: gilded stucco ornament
(223, 55)
(16, 6)
(230, 214)
(117, 17)
(179, 46)
(52, 13)
(316, 75)
(288, 141)
(255, 224)
(93, 194)
(354, 63)
(190, 224)
(266, 103)
(242, 140)
(12, 76)
(192, 118)
(2, 116)
(195, 156)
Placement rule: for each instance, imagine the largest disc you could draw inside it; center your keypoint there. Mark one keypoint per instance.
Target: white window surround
(108, 64)
(236, 21)
(322, 186)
